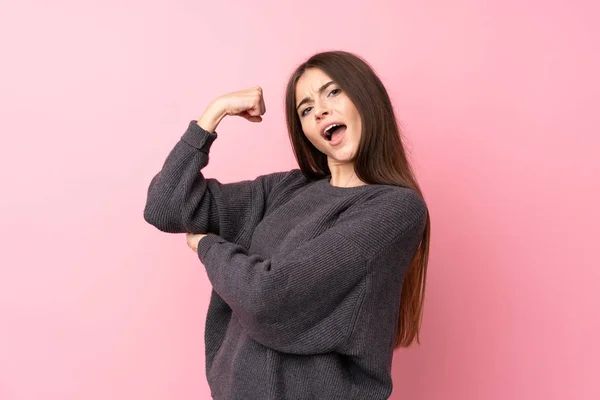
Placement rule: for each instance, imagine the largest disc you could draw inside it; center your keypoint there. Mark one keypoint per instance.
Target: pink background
(500, 106)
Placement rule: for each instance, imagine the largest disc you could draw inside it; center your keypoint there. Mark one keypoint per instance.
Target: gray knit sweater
(306, 276)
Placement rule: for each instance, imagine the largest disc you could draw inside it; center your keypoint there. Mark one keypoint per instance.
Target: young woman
(318, 273)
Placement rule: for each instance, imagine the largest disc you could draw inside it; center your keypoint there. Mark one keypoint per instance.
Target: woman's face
(329, 118)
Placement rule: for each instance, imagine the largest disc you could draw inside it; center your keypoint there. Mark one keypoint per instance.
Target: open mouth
(330, 131)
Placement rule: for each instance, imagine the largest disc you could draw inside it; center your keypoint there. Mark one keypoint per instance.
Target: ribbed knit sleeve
(180, 199)
(306, 301)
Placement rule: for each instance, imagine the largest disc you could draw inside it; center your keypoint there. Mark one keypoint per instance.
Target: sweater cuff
(199, 138)
(206, 242)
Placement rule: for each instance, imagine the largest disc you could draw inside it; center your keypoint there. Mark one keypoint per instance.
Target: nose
(320, 112)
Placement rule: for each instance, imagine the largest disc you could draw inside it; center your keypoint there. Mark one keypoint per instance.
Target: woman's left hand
(194, 238)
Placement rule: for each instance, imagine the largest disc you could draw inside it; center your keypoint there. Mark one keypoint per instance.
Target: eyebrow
(321, 89)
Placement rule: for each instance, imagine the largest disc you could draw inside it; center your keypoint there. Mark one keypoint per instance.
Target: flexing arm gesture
(248, 103)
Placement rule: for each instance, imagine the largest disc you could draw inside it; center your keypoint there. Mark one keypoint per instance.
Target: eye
(335, 92)
(305, 110)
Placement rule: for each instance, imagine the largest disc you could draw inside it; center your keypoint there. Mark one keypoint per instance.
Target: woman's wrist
(212, 117)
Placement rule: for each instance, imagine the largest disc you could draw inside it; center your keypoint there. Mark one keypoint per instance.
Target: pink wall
(499, 101)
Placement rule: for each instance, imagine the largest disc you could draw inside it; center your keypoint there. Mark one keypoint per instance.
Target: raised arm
(180, 199)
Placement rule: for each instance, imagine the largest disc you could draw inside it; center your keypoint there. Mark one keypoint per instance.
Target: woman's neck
(343, 175)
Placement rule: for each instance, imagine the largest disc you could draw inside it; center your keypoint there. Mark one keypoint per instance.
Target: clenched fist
(248, 103)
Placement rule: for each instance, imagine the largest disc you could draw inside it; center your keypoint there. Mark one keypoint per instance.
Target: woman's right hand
(247, 103)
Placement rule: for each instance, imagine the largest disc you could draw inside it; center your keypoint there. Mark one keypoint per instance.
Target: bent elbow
(157, 218)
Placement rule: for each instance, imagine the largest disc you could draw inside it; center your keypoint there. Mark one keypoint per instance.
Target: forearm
(212, 116)
(176, 199)
(302, 304)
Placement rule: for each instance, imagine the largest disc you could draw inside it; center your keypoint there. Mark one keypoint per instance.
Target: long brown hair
(380, 159)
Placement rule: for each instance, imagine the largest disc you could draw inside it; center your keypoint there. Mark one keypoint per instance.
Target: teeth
(330, 127)
(326, 132)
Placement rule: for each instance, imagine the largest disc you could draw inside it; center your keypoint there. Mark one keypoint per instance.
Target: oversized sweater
(306, 276)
